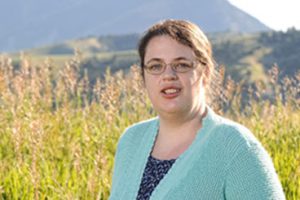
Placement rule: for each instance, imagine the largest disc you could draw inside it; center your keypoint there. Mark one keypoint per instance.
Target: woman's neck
(175, 136)
(177, 125)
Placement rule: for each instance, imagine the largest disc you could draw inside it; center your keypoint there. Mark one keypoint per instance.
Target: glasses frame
(193, 62)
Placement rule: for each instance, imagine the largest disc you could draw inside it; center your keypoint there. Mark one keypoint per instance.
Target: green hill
(246, 56)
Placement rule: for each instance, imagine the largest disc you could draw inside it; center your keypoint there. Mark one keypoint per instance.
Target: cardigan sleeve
(251, 175)
(116, 171)
(118, 167)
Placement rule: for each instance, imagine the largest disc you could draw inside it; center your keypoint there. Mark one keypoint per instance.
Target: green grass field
(58, 137)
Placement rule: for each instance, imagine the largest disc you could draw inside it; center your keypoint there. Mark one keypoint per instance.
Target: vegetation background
(247, 56)
(61, 115)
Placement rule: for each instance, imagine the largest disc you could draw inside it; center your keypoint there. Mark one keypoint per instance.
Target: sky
(276, 14)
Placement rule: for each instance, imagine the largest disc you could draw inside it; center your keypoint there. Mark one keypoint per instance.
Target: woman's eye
(155, 67)
(183, 65)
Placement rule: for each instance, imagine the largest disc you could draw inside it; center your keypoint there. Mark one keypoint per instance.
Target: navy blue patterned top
(154, 171)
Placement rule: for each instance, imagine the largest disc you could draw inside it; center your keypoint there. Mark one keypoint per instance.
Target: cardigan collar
(179, 167)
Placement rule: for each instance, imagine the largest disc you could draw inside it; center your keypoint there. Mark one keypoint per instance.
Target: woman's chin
(171, 110)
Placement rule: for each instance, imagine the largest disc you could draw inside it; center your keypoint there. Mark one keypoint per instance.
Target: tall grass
(58, 134)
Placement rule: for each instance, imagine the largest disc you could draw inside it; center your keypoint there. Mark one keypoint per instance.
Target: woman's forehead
(166, 48)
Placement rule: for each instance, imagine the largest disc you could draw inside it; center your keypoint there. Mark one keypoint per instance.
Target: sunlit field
(59, 130)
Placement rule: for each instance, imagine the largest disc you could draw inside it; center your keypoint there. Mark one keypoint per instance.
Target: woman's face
(171, 92)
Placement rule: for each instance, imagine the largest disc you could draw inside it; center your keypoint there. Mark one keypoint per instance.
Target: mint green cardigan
(225, 161)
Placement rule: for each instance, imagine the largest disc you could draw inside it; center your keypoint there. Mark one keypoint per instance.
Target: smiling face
(172, 92)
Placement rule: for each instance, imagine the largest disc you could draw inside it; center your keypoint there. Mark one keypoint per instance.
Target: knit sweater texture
(225, 161)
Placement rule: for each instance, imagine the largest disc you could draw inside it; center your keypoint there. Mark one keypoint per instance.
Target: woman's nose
(169, 73)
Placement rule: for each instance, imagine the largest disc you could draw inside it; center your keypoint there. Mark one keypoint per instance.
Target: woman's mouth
(170, 92)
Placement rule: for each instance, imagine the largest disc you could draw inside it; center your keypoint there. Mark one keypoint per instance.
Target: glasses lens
(154, 68)
(182, 66)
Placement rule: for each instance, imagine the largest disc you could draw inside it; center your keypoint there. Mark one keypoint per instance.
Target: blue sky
(277, 14)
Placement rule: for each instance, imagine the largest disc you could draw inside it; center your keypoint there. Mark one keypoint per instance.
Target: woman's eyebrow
(180, 58)
(154, 59)
(161, 60)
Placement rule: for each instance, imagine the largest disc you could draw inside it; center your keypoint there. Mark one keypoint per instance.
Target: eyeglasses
(179, 66)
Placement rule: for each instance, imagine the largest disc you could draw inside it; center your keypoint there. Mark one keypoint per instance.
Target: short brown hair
(184, 32)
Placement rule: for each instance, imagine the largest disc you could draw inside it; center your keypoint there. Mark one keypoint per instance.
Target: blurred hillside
(246, 56)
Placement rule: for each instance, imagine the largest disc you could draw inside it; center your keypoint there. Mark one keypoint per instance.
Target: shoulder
(238, 147)
(233, 136)
(248, 167)
(232, 129)
(136, 131)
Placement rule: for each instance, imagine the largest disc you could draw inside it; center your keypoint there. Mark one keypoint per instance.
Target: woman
(188, 152)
